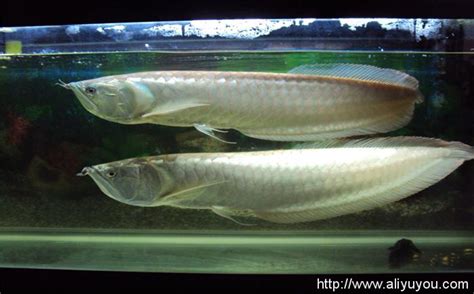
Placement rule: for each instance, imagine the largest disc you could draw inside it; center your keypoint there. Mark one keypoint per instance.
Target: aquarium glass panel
(53, 215)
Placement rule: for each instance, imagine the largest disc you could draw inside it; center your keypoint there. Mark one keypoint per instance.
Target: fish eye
(111, 174)
(90, 90)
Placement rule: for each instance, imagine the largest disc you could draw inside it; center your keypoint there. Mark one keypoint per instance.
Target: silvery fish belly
(308, 103)
(285, 186)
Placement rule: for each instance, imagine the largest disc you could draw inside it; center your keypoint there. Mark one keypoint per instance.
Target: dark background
(37, 281)
(30, 12)
(43, 12)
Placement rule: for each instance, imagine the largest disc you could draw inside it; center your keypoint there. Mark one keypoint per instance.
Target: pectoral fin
(171, 108)
(185, 198)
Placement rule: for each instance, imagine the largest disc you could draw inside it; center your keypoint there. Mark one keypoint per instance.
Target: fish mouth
(103, 183)
(84, 172)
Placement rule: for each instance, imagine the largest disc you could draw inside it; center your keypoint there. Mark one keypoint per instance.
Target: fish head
(133, 181)
(115, 98)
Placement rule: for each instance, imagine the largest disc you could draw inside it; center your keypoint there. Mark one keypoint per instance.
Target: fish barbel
(285, 186)
(310, 102)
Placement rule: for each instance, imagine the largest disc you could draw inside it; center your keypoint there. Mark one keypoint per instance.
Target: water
(51, 218)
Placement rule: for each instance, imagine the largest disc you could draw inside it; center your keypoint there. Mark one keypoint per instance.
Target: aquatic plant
(34, 112)
(18, 128)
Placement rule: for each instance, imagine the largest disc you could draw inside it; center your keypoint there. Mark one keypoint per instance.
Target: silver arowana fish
(310, 102)
(285, 186)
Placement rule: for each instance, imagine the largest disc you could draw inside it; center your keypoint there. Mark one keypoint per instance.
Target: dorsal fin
(466, 150)
(359, 72)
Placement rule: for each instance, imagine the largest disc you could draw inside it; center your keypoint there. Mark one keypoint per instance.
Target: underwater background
(46, 137)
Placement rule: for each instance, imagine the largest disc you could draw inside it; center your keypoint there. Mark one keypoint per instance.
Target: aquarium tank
(52, 218)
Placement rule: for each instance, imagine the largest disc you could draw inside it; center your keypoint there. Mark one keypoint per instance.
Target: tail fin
(461, 150)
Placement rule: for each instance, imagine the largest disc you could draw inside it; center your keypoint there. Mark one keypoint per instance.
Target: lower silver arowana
(285, 186)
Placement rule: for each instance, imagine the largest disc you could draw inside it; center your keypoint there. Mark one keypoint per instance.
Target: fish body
(285, 186)
(308, 103)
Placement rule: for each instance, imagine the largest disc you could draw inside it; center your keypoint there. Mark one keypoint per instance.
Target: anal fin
(297, 216)
(398, 118)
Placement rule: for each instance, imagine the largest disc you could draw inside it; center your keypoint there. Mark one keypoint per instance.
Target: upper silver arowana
(310, 102)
